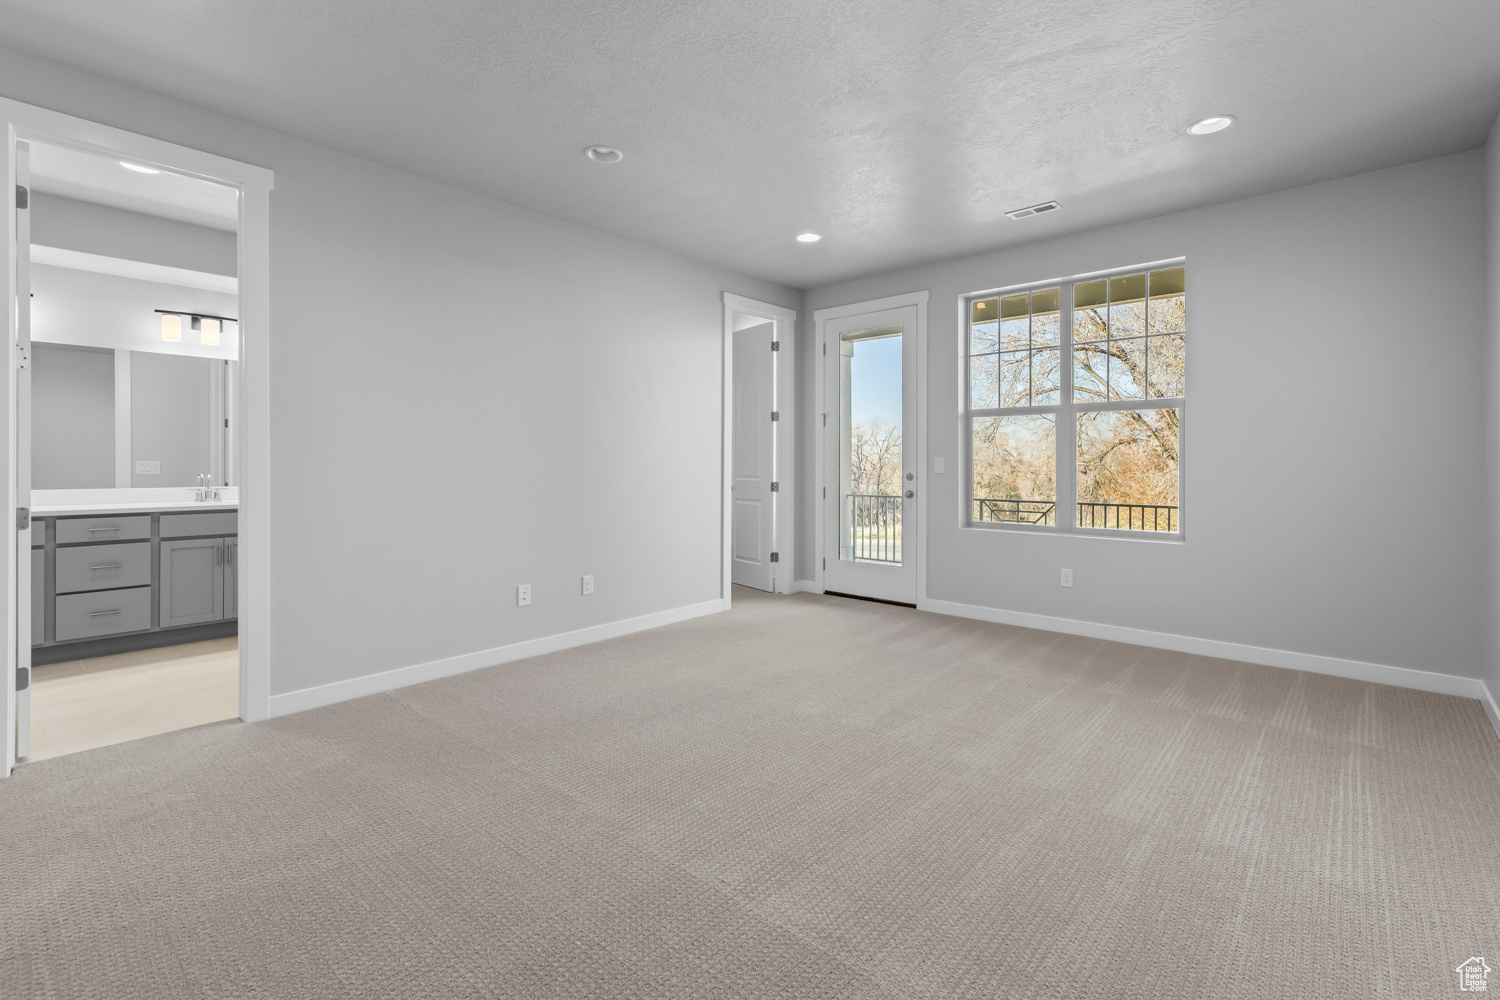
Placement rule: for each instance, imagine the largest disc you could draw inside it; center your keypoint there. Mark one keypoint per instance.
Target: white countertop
(165, 507)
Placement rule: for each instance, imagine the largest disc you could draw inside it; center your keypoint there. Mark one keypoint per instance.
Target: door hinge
(825, 562)
(776, 557)
(23, 197)
(825, 349)
(23, 358)
(23, 518)
(775, 487)
(825, 420)
(775, 345)
(825, 493)
(775, 415)
(23, 678)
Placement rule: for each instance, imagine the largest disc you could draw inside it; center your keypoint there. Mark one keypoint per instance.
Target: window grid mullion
(1066, 472)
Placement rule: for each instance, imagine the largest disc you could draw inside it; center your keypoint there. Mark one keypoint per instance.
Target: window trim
(1066, 473)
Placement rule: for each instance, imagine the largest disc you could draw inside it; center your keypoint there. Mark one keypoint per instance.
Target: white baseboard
(805, 587)
(358, 687)
(1379, 673)
(1491, 708)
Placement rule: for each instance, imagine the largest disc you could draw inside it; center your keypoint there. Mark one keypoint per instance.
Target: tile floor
(83, 704)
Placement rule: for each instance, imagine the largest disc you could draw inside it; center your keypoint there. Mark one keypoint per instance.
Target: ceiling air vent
(1030, 210)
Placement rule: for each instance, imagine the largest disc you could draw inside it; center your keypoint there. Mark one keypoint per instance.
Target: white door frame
(24, 122)
(783, 467)
(820, 324)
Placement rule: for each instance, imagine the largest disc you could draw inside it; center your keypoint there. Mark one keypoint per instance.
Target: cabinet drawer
(95, 567)
(82, 616)
(218, 522)
(71, 530)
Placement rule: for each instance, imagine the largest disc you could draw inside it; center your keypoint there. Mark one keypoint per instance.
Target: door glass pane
(870, 470)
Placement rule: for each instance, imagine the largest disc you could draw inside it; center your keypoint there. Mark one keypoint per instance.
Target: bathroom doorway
(138, 273)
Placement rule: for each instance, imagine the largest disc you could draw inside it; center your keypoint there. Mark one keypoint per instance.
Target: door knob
(909, 494)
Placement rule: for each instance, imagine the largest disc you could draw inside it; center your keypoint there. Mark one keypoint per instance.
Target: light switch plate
(523, 596)
(937, 465)
(588, 585)
(148, 468)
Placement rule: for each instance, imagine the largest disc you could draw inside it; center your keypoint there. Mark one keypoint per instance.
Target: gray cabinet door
(192, 581)
(231, 577)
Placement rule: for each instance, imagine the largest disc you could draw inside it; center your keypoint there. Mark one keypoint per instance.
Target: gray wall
(170, 419)
(452, 378)
(1373, 287)
(72, 417)
(112, 232)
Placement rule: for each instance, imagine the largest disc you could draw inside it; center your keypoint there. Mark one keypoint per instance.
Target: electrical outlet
(588, 585)
(937, 466)
(523, 596)
(1067, 578)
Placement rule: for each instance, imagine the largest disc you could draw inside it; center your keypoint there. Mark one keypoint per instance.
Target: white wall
(112, 232)
(458, 387)
(1333, 356)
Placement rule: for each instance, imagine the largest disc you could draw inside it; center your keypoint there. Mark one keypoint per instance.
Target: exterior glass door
(870, 499)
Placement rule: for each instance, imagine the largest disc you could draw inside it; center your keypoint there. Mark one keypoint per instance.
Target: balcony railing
(875, 528)
(1129, 516)
(1016, 511)
(1137, 516)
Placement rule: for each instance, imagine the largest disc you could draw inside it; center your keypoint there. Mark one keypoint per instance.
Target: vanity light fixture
(808, 238)
(208, 327)
(1210, 125)
(604, 154)
(138, 168)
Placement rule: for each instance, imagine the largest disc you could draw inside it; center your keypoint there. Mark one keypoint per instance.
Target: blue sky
(875, 380)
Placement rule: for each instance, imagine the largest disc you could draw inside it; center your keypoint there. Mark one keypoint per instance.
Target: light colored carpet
(805, 797)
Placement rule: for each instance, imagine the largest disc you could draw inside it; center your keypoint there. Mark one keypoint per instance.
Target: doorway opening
(126, 426)
(129, 451)
(759, 347)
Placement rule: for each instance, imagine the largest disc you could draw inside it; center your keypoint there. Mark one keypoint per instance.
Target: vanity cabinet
(98, 577)
(192, 581)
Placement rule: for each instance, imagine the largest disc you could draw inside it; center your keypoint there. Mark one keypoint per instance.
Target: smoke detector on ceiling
(1030, 210)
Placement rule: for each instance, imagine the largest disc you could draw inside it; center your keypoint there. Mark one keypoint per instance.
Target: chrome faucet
(206, 492)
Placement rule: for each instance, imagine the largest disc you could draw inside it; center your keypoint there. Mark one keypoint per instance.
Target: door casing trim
(25, 122)
(784, 465)
(821, 318)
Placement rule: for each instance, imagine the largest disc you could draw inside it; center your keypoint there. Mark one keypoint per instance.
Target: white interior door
(753, 517)
(870, 455)
(23, 593)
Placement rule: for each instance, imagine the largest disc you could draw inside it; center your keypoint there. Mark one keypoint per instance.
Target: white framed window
(1077, 390)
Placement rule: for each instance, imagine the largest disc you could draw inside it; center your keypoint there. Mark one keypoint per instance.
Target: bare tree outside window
(1127, 336)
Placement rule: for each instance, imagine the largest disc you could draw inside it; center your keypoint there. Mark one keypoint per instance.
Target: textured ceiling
(900, 129)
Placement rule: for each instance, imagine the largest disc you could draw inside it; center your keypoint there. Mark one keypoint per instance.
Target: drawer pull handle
(96, 614)
(106, 566)
(116, 528)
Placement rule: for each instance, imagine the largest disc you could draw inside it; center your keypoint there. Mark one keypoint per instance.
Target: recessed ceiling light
(138, 168)
(604, 154)
(1213, 123)
(809, 238)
